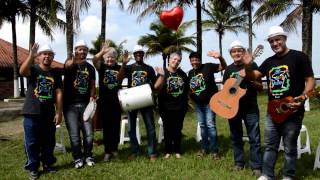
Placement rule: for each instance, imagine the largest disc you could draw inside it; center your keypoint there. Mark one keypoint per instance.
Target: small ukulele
(225, 103)
(280, 109)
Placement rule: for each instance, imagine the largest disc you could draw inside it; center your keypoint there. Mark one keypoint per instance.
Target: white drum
(135, 97)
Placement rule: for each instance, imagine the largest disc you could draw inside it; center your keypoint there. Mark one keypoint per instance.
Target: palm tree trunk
(32, 32)
(199, 29)
(15, 58)
(220, 48)
(103, 20)
(164, 58)
(307, 28)
(69, 32)
(250, 28)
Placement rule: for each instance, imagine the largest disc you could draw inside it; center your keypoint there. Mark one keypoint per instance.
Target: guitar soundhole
(284, 107)
(232, 90)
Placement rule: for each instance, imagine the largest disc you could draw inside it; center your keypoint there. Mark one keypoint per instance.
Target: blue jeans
(289, 130)
(207, 122)
(251, 121)
(73, 114)
(39, 137)
(148, 118)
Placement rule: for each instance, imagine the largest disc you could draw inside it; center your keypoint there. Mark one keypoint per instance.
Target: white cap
(45, 48)
(276, 31)
(236, 44)
(137, 48)
(80, 43)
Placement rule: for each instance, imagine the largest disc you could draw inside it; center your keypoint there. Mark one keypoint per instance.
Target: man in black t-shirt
(42, 109)
(109, 107)
(248, 113)
(202, 87)
(138, 74)
(79, 89)
(289, 73)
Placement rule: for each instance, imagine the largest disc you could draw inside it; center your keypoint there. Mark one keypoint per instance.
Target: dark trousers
(39, 137)
(111, 120)
(172, 127)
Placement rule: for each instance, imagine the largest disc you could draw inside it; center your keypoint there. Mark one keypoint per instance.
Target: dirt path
(11, 128)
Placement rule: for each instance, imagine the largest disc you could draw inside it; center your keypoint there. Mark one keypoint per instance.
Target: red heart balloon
(172, 18)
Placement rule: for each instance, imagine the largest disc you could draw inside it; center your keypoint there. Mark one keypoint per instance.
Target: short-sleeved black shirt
(77, 83)
(247, 103)
(108, 83)
(41, 93)
(286, 75)
(202, 82)
(140, 74)
(174, 92)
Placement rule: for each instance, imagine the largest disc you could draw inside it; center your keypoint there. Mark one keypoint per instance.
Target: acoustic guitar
(225, 103)
(280, 109)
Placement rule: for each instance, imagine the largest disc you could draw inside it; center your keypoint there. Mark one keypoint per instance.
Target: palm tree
(297, 12)
(73, 8)
(97, 46)
(104, 4)
(164, 41)
(149, 7)
(222, 20)
(10, 9)
(247, 6)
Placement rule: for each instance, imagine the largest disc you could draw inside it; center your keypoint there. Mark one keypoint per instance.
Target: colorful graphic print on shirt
(44, 88)
(110, 78)
(139, 78)
(197, 84)
(279, 80)
(175, 85)
(81, 83)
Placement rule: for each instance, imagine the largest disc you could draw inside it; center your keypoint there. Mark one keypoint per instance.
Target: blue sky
(123, 26)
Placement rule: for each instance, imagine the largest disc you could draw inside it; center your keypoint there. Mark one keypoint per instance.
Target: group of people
(288, 73)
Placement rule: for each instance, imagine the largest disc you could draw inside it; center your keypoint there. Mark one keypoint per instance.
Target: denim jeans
(251, 121)
(207, 122)
(289, 130)
(73, 114)
(39, 137)
(148, 118)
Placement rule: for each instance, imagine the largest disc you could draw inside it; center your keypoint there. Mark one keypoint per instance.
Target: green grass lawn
(12, 157)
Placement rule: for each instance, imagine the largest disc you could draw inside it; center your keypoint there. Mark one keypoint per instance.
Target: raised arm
(160, 80)
(251, 74)
(217, 55)
(25, 67)
(99, 56)
(122, 71)
(69, 63)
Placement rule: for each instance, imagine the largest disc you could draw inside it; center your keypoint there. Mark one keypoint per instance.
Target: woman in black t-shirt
(173, 101)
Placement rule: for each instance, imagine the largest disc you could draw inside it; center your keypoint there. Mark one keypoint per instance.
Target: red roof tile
(6, 56)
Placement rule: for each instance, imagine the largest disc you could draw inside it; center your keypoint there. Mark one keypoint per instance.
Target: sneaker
(78, 163)
(178, 156)
(287, 178)
(49, 169)
(263, 178)
(256, 172)
(167, 156)
(201, 153)
(153, 158)
(107, 157)
(115, 154)
(132, 157)
(215, 156)
(89, 161)
(34, 175)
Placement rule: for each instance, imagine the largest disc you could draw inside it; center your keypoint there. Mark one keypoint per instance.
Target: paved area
(10, 110)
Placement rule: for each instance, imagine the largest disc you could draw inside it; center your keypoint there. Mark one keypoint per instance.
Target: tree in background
(164, 41)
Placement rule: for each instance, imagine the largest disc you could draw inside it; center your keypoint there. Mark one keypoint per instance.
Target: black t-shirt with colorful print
(174, 92)
(202, 82)
(77, 83)
(140, 74)
(108, 83)
(41, 92)
(286, 75)
(247, 103)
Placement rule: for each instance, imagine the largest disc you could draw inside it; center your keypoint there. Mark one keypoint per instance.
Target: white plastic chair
(60, 141)
(124, 138)
(161, 132)
(317, 159)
